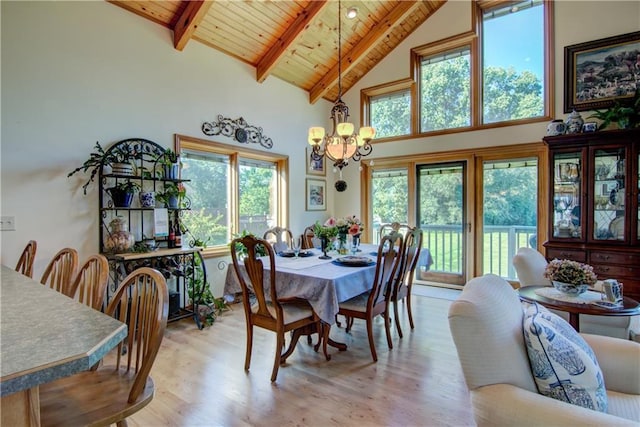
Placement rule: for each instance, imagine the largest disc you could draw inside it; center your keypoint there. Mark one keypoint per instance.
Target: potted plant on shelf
(122, 193)
(173, 195)
(120, 157)
(170, 162)
(626, 116)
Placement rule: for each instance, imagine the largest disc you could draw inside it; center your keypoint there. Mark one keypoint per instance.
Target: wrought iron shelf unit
(178, 265)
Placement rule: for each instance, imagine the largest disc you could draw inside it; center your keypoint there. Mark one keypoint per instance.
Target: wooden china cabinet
(594, 202)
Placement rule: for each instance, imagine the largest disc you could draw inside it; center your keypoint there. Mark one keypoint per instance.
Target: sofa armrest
(619, 360)
(508, 405)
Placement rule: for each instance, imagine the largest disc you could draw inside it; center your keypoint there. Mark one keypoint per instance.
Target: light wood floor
(200, 380)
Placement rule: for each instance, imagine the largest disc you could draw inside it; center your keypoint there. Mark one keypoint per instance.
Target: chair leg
(277, 360)
(387, 327)
(338, 324)
(349, 324)
(372, 344)
(397, 317)
(122, 423)
(247, 356)
(409, 309)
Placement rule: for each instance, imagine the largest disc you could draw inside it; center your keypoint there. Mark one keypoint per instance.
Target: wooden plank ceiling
(296, 41)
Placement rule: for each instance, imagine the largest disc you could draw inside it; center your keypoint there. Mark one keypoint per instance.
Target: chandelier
(342, 144)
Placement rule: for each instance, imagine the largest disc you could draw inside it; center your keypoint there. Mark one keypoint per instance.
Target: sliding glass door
(442, 215)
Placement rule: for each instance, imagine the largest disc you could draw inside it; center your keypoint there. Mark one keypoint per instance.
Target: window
(496, 76)
(513, 62)
(445, 90)
(389, 107)
(510, 208)
(231, 190)
(389, 195)
(391, 114)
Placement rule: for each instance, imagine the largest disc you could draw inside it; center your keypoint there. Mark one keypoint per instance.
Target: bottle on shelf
(178, 234)
(172, 236)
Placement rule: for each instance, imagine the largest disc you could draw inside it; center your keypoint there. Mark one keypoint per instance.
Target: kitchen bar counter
(46, 335)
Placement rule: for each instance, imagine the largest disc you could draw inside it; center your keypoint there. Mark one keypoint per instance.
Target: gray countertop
(45, 335)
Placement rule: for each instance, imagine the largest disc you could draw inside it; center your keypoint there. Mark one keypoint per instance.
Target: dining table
(324, 283)
(45, 336)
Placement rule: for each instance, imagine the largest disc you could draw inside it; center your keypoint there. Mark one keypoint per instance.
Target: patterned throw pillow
(564, 366)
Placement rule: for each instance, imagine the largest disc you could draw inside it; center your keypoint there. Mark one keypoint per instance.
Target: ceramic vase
(574, 122)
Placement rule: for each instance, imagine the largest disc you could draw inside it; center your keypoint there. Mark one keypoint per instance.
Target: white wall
(575, 22)
(74, 73)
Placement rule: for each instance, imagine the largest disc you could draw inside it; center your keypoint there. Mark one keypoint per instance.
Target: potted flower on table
(570, 277)
(325, 232)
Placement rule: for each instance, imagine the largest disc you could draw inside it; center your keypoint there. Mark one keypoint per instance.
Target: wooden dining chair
(270, 312)
(405, 273)
(376, 301)
(61, 270)
(90, 283)
(27, 258)
(307, 237)
(112, 393)
(279, 237)
(393, 226)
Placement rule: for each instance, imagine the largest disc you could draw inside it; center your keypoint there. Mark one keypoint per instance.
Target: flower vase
(342, 244)
(324, 242)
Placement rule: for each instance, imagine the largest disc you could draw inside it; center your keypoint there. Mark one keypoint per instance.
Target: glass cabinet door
(609, 194)
(567, 218)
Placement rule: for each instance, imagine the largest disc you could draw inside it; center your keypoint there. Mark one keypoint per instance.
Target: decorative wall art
(316, 164)
(600, 72)
(238, 129)
(316, 199)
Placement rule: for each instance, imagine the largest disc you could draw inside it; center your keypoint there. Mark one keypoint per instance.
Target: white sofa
(486, 325)
(530, 265)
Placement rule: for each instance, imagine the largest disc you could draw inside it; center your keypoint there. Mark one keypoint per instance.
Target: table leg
(340, 346)
(574, 320)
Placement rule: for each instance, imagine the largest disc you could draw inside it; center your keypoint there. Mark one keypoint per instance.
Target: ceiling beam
(279, 48)
(189, 21)
(402, 10)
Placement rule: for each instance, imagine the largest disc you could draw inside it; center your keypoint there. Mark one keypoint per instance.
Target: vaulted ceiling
(296, 41)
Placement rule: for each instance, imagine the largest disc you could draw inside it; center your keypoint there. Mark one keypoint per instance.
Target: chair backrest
(389, 255)
(308, 236)
(486, 325)
(409, 258)
(61, 270)
(264, 288)
(279, 237)
(28, 256)
(142, 302)
(393, 226)
(90, 283)
(530, 265)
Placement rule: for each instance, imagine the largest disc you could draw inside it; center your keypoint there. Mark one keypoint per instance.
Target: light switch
(7, 223)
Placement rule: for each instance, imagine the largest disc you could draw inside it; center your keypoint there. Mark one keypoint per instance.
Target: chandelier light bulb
(345, 129)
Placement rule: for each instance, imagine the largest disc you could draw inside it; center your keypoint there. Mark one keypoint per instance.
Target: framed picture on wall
(316, 194)
(315, 165)
(600, 72)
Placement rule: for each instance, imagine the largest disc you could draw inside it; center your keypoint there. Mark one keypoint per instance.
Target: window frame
(471, 38)
(235, 153)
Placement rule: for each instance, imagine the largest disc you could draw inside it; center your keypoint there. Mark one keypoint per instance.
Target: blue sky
(519, 38)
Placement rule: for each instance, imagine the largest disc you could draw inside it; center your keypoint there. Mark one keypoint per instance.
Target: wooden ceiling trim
(189, 21)
(151, 10)
(278, 49)
(366, 44)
